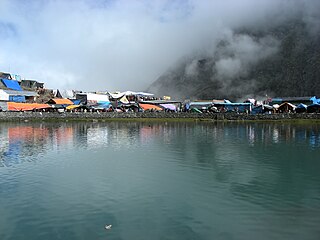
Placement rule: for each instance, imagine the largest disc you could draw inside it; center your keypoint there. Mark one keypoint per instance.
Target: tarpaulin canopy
(124, 100)
(13, 106)
(63, 101)
(301, 105)
(64, 93)
(195, 110)
(171, 107)
(118, 95)
(150, 107)
(70, 107)
(315, 100)
(12, 84)
(98, 98)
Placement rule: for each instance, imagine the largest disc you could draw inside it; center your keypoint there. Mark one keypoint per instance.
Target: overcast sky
(117, 44)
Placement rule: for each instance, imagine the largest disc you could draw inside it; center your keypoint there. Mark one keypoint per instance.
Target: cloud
(242, 52)
(117, 44)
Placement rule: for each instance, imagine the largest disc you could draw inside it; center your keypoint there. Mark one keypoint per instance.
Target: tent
(262, 109)
(71, 107)
(301, 108)
(286, 107)
(169, 106)
(16, 96)
(118, 95)
(12, 106)
(93, 99)
(315, 100)
(313, 108)
(149, 107)
(62, 101)
(65, 93)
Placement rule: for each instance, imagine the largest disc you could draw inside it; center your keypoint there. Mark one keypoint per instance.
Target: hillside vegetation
(281, 60)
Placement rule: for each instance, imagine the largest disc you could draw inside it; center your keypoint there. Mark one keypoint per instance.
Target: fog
(126, 45)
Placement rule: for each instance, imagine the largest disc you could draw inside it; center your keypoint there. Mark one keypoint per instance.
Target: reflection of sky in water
(185, 180)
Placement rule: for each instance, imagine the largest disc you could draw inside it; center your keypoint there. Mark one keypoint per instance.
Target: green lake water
(154, 180)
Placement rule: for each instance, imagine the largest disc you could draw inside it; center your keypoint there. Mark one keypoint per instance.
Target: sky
(119, 45)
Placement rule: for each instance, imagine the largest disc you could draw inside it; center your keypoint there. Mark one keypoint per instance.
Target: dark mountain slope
(281, 60)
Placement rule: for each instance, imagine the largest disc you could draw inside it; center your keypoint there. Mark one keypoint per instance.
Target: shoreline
(157, 116)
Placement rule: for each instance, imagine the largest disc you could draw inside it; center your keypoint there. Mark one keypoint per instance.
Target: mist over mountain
(276, 57)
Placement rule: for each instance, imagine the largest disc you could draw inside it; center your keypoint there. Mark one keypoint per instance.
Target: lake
(159, 180)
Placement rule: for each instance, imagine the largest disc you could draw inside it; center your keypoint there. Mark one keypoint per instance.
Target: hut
(17, 96)
(286, 107)
(31, 84)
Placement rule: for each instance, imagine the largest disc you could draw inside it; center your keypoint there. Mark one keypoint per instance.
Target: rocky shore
(106, 116)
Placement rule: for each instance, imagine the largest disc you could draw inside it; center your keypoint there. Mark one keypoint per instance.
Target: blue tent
(315, 100)
(12, 84)
(301, 108)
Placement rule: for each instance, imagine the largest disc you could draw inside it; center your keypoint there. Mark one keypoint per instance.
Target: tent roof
(20, 93)
(286, 103)
(13, 106)
(160, 101)
(12, 84)
(70, 107)
(62, 101)
(301, 105)
(233, 104)
(127, 93)
(149, 107)
(169, 106)
(65, 93)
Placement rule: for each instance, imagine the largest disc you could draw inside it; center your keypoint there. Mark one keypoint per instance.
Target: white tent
(118, 95)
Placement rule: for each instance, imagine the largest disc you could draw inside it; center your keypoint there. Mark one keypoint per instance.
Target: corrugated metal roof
(20, 93)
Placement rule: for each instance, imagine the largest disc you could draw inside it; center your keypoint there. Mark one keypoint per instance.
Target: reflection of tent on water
(148, 107)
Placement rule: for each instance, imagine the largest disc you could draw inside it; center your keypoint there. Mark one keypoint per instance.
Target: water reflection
(24, 142)
(174, 180)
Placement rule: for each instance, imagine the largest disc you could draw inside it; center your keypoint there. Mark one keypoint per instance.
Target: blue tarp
(76, 101)
(17, 98)
(240, 107)
(301, 105)
(12, 84)
(315, 100)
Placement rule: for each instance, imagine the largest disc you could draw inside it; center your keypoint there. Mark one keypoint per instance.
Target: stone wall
(43, 116)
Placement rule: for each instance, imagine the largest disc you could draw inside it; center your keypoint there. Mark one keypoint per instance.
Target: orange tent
(13, 106)
(145, 107)
(62, 101)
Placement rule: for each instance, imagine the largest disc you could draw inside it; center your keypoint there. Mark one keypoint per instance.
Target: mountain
(277, 60)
